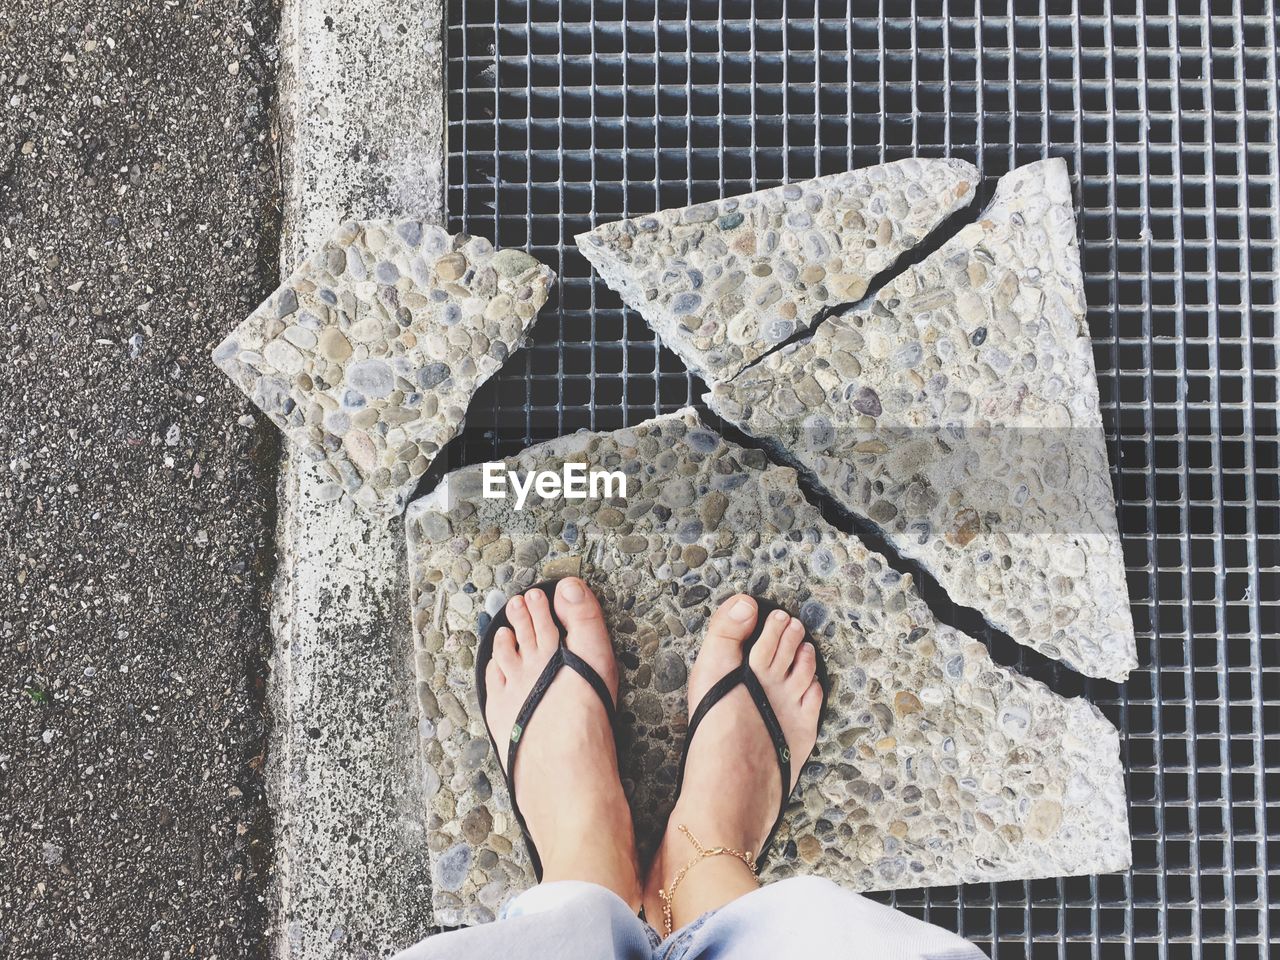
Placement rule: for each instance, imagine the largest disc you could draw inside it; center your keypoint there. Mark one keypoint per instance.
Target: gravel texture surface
(959, 412)
(934, 765)
(138, 212)
(724, 283)
(367, 356)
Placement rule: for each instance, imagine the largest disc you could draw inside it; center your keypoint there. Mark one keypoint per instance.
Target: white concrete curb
(362, 135)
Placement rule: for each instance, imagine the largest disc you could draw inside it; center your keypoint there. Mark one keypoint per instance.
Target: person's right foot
(732, 788)
(566, 775)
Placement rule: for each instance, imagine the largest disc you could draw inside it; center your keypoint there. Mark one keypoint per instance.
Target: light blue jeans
(802, 917)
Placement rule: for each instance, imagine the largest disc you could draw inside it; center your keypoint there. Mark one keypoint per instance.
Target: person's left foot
(732, 788)
(566, 775)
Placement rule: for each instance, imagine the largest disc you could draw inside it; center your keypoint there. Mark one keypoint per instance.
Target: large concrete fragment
(724, 282)
(369, 353)
(935, 766)
(959, 411)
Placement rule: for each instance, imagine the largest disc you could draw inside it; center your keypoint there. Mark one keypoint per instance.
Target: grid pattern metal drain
(564, 115)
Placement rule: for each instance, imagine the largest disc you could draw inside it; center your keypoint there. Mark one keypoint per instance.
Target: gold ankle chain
(666, 896)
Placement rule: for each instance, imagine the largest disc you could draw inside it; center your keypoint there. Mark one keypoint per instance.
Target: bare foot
(566, 775)
(732, 788)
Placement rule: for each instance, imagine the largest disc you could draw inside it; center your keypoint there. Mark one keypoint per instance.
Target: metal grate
(562, 115)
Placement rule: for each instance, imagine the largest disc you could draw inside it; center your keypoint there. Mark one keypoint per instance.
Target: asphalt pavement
(139, 221)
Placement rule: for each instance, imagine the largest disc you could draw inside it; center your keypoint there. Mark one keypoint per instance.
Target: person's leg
(808, 917)
(732, 789)
(562, 919)
(567, 782)
(567, 774)
(730, 797)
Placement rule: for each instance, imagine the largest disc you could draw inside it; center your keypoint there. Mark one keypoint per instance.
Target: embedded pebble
(512, 263)
(723, 282)
(451, 266)
(993, 474)
(935, 765)
(669, 672)
(867, 401)
(284, 357)
(333, 345)
(432, 375)
(373, 379)
(451, 867)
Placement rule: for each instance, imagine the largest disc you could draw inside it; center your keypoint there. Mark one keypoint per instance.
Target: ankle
(710, 829)
(584, 857)
(691, 876)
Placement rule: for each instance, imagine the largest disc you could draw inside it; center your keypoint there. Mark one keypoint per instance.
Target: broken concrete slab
(959, 411)
(935, 766)
(369, 353)
(724, 282)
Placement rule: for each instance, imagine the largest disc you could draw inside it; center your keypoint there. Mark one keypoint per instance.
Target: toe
(733, 621)
(811, 702)
(505, 654)
(788, 646)
(766, 648)
(521, 621)
(587, 635)
(803, 669)
(544, 625)
(577, 606)
(494, 678)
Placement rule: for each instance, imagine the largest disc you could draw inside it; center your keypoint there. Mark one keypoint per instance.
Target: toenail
(516, 602)
(742, 610)
(571, 591)
(780, 616)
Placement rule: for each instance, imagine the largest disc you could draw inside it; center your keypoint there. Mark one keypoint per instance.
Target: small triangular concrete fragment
(725, 282)
(369, 353)
(934, 766)
(959, 412)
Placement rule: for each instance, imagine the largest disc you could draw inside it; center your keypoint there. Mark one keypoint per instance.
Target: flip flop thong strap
(780, 747)
(563, 657)
(589, 674)
(746, 676)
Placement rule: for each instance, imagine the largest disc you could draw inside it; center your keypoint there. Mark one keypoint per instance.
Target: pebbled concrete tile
(959, 412)
(935, 766)
(368, 355)
(724, 282)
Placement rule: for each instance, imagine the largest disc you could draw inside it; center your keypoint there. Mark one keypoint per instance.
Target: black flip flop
(563, 657)
(746, 676)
